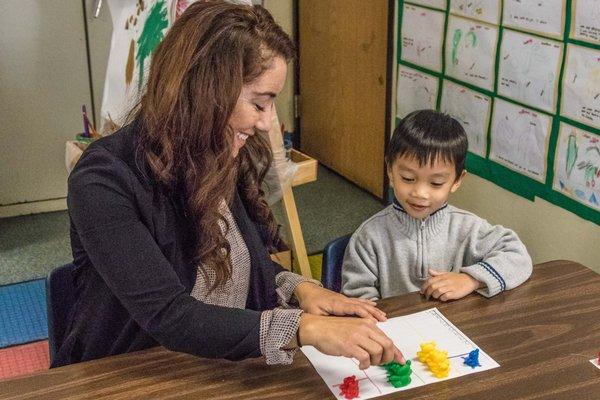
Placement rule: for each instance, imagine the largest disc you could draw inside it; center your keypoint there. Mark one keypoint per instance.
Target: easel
(307, 172)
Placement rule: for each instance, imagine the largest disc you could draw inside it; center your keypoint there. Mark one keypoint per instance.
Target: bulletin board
(523, 78)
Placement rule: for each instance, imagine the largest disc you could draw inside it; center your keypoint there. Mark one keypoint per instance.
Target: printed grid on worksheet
(407, 332)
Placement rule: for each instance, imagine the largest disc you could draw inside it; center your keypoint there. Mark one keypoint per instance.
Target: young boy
(422, 243)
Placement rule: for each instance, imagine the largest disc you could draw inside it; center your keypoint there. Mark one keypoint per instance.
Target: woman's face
(255, 106)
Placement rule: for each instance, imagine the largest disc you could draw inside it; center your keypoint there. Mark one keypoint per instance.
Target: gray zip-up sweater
(391, 252)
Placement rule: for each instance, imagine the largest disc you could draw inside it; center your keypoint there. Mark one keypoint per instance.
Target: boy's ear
(458, 181)
(389, 174)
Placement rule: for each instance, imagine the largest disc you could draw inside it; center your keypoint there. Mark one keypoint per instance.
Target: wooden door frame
(388, 86)
(95, 118)
(389, 92)
(297, 137)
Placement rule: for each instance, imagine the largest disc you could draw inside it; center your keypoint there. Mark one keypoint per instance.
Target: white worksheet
(471, 51)
(472, 109)
(545, 17)
(581, 85)
(416, 90)
(407, 332)
(585, 24)
(440, 4)
(519, 139)
(482, 10)
(422, 37)
(530, 69)
(577, 165)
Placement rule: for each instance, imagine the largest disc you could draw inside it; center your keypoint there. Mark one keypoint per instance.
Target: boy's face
(422, 190)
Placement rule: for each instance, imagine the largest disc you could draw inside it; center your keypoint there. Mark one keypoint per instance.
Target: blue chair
(333, 257)
(60, 298)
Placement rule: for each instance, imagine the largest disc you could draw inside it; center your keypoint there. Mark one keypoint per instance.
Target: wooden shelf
(307, 168)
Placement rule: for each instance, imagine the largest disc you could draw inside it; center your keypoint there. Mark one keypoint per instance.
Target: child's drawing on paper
(471, 51)
(529, 69)
(545, 17)
(440, 4)
(177, 8)
(482, 10)
(150, 37)
(577, 165)
(581, 85)
(138, 27)
(586, 20)
(422, 37)
(472, 110)
(519, 139)
(416, 90)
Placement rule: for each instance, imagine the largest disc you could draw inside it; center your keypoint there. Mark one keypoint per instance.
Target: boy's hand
(320, 301)
(449, 285)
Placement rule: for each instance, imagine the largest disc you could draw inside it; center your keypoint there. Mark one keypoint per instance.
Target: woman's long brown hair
(195, 79)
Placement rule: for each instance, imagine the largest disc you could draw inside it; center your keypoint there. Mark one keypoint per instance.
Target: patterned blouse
(277, 326)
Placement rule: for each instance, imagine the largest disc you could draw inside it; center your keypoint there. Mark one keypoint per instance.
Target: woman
(170, 233)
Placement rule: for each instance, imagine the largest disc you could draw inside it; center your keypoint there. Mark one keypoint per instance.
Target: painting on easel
(138, 27)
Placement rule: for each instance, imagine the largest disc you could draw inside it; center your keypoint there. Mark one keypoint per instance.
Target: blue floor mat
(23, 316)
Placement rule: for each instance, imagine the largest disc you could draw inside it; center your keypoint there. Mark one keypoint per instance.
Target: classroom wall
(548, 231)
(100, 34)
(43, 83)
(283, 12)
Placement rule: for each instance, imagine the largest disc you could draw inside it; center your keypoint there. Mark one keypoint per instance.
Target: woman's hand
(449, 285)
(356, 338)
(316, 300)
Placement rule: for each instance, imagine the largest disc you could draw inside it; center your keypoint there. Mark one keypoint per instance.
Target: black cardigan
(132, 247)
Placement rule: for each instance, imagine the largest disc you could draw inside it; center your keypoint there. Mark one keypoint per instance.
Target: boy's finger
(425, 285)
(437, 278)
(428, 284)
(431, 289)
(439, 292)
(449, 295)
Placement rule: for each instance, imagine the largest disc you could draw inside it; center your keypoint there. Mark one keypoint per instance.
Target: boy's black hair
(429, 136)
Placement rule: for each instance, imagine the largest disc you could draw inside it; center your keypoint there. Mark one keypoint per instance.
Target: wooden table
(542, 334)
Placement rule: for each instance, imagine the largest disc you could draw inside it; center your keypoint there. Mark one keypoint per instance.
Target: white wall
(548, 231)
(43, 83)
(100, 33)
(283, 13)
